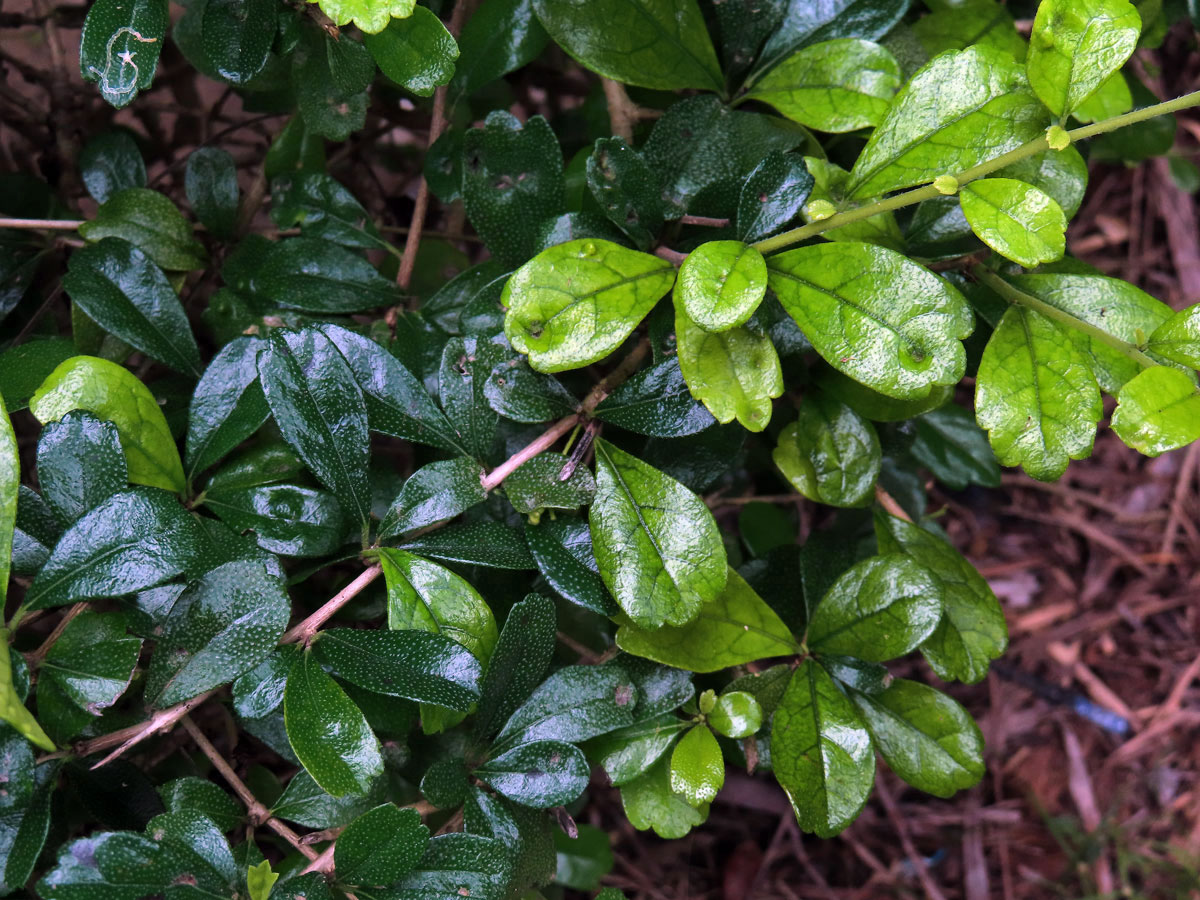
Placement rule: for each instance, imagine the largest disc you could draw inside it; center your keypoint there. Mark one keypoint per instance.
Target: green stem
(928, 192)
(1020, 298)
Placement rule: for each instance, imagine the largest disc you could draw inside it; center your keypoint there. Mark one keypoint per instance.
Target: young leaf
(697, 766)
(317, 276)
(80, 464)
(372, 16)
(111, 162)
(1076, 45)
(954, 448)
(119, 46)
(133, 540)
(424, 596)
(1178, 338)
(821, 752)
(737, 715)
(521, 657)
(661, 44)
(538, 484)
(562, 549)
(1015, 219)
(417, 53)
(118, 286)
(224, 624)
(260, 879)
(573, 704)
(210, 179)
(1036, 395)
(972, 631)
(328, 732)
(12, 709)
(735, 628)
(228, 404)
(397, 403)
(236, 37)
(319, 408)
(539, 774)
(839, 85)
(656, 543)
(650, 802)
(830, 454)
(488, 544)
(1158, 411)
(415, 665)
(926, 738)
(525, 162)
(875, 315)
(433, 493)
(150, 222)
(380, 847)
(735, 373)
(574, 304)
(961, 108)
(112, 393)
(285, 518)
(466, 365)
(880, 609)
(772, 195)
(720, 284)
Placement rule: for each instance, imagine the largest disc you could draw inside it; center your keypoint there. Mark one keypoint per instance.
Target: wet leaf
(539, 774)
(380, 847)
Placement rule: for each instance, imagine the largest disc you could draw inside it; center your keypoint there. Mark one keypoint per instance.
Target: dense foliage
(771, 262)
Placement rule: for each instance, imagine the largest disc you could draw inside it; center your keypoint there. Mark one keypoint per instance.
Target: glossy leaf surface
(1015, 219)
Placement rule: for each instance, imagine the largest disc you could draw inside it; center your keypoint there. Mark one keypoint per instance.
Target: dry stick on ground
(258, 813)
(932, 891)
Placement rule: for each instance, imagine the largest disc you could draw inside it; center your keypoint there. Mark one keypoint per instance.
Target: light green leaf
(649, 802)
(960, 109)
(427, 597)
(835, 86)
(12, 710)
(120, 45)
(113, 393)
(656, 543)
(328, 733)
(628, 752)
(821, 752)
(372, 16)
(697, 767)
(1178, 338)
(972, 631)
(735, 628)
(721, 283)
(1110, 304)
(152, 223)
(260, 879)
(737, 715)
(953, 26)
(10, 477)
(574, 304)
(1036, 395)
(880, 609)
(1016, 220)
(1076, 45)
(875, 315)
(417, 52)
(1158, 411)
(830, 454)
(1063, 174)
(650, 43)
(1112, 98)
(734, 373)
(829, 185)
(926, 738)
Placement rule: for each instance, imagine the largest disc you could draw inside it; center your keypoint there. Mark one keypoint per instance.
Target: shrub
(814, 219)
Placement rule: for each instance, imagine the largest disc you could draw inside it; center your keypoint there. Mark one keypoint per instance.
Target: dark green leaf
(267, 463)
(318, 276)
(955, 449)
(88, 667)
(322, 208)
(435, 492)
(196, 852)
(150, 222)
(926, 738)
(656, 402)
(830, 454)
(119, 47)
(211, 175)
(305, 803)
(454, 863)
(416, 665)
(320, 409)
(626, 189)
(24, 809)
(228, 405)
(573, 704)
(35, 534)
(520, 659)
(628, 752)
(466, 364)
(583, 860)
(80, 464)
(540, 774)
(133, 540)
(236, 36)
(446, 783)
(205, 798)
(285, 518)
(656, 543)
(487, 544)
(328, 81)
(862, 676)
(221, 626)
(328, 732)
(313, 886)
(660, 43)
(111, 162)
(380, 847)
(512, 179)
(772, 195)
(24, 367)
(562, 549)
(119, 287)
(108, 866)
(807, 23)
(499, 37)
(821, 752)
(538, 484)
(417, 52)
(517, 392)
(880, 609)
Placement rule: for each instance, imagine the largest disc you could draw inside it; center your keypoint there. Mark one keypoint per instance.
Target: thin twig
(890, 504)
(42, 224)
(707, 221)
(258, 812)
(35, 658)
(622, 112)
(303, 632)
(920, 867)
